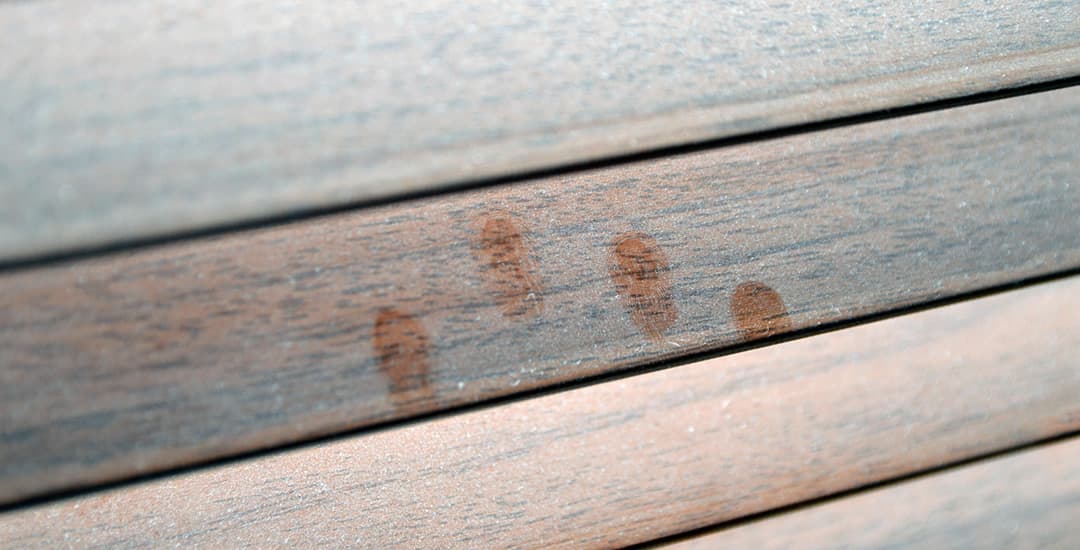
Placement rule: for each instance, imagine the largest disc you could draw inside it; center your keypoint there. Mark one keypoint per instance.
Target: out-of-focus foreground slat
(1030, 499)
(638, 458)
(123, 120)
(135, 362)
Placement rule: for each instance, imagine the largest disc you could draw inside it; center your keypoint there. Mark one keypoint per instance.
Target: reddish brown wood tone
(146, 360)
(1029, 499)
(642, 457)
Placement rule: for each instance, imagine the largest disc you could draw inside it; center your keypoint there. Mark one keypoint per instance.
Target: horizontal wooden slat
(141, 361)
(635, 459)
(1026, 500)
(123, 120)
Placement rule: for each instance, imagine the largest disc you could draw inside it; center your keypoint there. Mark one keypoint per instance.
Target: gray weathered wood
(638, 458)
(124, 119)
(141, 361)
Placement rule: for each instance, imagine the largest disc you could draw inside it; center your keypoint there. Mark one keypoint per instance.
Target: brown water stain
(642, 276)
(508, 269)
(758, 311)
(403, 348)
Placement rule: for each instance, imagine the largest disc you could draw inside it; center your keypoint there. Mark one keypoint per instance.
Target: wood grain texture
(1026, 500)
(634, 459)
(123, 120)
(141, 361)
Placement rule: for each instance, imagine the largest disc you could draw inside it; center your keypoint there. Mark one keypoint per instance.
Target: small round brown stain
(642, 276)
(508, 269)
(403, 349)
(759, 311)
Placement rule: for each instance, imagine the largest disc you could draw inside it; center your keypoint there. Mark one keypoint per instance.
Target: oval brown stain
(642, 276)
(758, 311)
(508, 269)
(403, 349)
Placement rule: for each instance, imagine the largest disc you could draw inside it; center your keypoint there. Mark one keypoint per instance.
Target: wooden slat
(147, 360)
(638, 458)
(125, 120)
(1026, 500)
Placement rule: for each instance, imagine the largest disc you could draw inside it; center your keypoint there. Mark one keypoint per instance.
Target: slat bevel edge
(121, 246)
(385, 138)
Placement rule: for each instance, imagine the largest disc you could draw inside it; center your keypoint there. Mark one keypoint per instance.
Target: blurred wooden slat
(1026, 500)
(123, 120)
(136, 362)
(638, 458)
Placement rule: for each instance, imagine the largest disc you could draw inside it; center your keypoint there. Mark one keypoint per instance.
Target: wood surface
(1029, 499)
(123, 120)
(135, 362)
(633, 459)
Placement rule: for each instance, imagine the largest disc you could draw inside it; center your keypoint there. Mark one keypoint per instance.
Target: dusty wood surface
(1026, 500)
(638, 458)
(136, 362)
(122, 119)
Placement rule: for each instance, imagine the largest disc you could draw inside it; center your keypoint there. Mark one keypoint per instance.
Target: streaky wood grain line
(1029, 499)
(124, 121)
(136, 362)
(637, 458)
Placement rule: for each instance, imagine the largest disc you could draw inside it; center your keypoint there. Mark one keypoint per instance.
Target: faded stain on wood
(403, 348)
(508, 267)
(759, 311)
(641, 273)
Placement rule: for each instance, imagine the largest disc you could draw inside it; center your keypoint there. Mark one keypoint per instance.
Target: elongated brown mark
(403, 348)
(508, 269)
(758, 311)
(642, 276)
